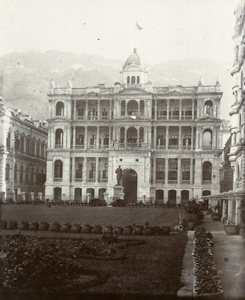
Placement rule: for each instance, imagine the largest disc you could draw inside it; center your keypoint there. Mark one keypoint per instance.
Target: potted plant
(96, 229)
(3, 224)
(230, 227)
(65, 227)
(23, 225)
(12, 224)
(128, 229)
(43, 226)
(118, 230)
(86, 228)
(55, 226)
(34, 226)
(138, 229)
(107, 228)
(76, 228)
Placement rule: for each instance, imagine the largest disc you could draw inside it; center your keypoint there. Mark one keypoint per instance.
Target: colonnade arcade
(156, 137)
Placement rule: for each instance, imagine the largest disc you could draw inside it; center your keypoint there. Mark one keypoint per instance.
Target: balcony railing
(58, 178)
(58, 145)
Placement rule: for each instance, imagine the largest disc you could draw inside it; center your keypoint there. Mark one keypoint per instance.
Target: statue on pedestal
(119, 175)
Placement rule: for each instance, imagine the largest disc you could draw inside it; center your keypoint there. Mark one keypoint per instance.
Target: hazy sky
(172, 29)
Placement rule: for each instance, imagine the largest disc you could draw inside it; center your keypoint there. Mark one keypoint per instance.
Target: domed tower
(134, 74)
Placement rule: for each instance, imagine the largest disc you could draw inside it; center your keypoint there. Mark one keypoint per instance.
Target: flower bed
(206, 281)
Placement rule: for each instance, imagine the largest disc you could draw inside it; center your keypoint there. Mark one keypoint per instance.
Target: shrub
(97, 202)
(119, 203)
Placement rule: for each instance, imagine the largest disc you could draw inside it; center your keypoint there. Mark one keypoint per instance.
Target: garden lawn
(150, 269)
(93, 215)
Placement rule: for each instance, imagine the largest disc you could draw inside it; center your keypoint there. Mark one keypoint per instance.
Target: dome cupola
(133, 59)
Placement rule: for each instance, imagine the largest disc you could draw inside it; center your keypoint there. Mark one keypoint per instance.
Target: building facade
(232, 198)
(166, 139)
(23, 144)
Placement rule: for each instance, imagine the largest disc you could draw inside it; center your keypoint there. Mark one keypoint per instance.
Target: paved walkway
(229, 256)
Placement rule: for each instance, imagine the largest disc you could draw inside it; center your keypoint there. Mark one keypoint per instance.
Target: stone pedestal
(118, 189)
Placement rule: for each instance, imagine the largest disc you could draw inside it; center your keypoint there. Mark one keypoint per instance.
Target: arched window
(138, 79)
(132, 108)
(60, 109)
(58, 169)
(128, 79)
(123, 107)
(7, 172)
(206, 171)
(207, 139)
(133, 79)
(208, 108)
(59, 138)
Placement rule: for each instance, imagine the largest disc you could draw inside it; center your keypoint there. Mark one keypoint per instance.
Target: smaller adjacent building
(23, 144)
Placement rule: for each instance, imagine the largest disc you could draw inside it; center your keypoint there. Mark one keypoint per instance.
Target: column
(98, 110)
(166, 170)
(180, 138)
(86, 109)
(74, 137)
(155, 109)
(197, 138)
(73, 169)
(179, 171)
(192, 137)
(138, 137)
(154, 170)
(109, 135)
(86, 138)
(191, 170)
(96, 168)
(98, 138)
(193, 109)
(180, 109)
(125, 136)
(200, 137)
(238, 210)
(167, 134)
(167, 109)
(75, 110)
(110, 110)
(139, 108)
(85, 169)
(154, 138)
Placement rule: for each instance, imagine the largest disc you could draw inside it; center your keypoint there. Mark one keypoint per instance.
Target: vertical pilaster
(86, 138)
(154, 170)
(179, 171)
(99, 113)
(73, 170)
(167, 109)
(155, 109)
(86, 109)
(193, 109)
(191, 171)
(166, 170)
(85, 169)
(155, 137)
(167, 137)
(96, 168)
(180, 137)
(75, 110)
(180, 109)
(98, 137)
(192, 138)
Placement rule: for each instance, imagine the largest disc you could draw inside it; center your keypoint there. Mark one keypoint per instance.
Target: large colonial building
(23, 144)
(166, 139)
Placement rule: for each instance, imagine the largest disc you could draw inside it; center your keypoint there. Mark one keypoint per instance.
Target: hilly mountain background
(25, 77)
